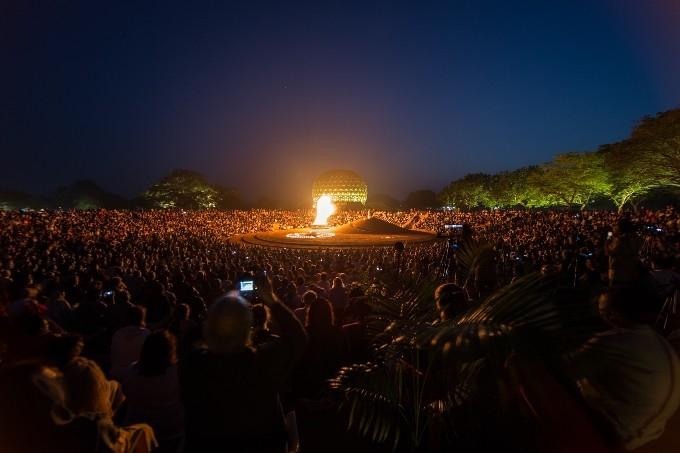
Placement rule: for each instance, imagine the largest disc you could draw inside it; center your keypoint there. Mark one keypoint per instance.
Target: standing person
(623, 250)
(324, 284)
(325, 353)
(231, 391)
(338, 297)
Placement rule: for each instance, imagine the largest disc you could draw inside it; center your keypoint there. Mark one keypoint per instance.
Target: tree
(656, 140)
(183, 189)
(627, 172)
(86, 194)
(649, 159)
(573, 178)
(420, 199)
(469, 192)
(510, 189)
(14, 199)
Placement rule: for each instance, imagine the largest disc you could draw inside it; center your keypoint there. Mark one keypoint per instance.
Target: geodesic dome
(343, 186)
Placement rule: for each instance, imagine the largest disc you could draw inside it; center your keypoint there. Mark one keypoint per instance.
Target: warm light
(324, 209)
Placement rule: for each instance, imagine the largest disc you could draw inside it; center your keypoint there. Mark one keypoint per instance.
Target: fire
(324, 209)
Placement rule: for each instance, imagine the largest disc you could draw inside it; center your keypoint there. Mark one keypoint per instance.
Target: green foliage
(510, 189)
(622, 172)
(429, 373)
(470, 192)
(628, 174)
(185, 189)
(573, 178)
(649, 159)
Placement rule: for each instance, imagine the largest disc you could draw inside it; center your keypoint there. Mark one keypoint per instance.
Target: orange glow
(324, 209)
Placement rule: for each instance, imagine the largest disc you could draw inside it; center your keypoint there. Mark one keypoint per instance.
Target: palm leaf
(527, 315)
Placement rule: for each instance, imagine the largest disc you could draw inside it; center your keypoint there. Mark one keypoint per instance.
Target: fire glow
(324, 209)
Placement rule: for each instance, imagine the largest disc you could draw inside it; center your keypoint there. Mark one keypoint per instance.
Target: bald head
(227, 328)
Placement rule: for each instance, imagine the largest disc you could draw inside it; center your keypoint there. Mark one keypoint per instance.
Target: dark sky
(265, 95)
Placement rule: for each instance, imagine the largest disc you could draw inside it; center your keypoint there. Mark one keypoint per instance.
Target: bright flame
(324, 209)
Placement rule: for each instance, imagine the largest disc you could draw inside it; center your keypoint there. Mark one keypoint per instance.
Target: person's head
(337, 283)
(450, 300)
(135, 316)
(182, 312)
(158, 353)
(227, 327)
(622, 306)
(31, 292)
(624, 226)
(319, 314)
(308, 298)
(260, 317)
(117, 284)
(87, 388)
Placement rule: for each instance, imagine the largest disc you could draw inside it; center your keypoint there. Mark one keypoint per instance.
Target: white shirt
(631, 377)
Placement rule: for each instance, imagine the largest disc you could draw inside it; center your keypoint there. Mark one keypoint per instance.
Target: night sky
(264, 96)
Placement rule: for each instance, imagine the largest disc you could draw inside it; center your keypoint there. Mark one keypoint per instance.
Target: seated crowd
(126, 331)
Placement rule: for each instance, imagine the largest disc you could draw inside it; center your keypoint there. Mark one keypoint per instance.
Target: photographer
(623, 249)
(230, 390)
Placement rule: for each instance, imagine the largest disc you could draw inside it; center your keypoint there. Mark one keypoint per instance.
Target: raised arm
(291, 332)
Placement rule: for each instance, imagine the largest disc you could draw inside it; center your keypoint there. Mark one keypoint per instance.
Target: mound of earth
(372, 226)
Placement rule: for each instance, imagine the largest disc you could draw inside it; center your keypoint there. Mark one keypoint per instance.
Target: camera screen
(247, 285)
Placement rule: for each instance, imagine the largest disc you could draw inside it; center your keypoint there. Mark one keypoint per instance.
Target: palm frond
(527, 314)
(372, 397)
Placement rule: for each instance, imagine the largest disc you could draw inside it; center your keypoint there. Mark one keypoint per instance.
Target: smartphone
(247, 285)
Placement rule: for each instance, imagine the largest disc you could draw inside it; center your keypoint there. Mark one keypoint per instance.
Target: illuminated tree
(183, 189)
(628, 174)
(469, 192)
(649, 159)
(510, 189)
(573, 178)
(656, 141)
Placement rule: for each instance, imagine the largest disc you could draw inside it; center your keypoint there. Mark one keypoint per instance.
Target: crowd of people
(131, 330)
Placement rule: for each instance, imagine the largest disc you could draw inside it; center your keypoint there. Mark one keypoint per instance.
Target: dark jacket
(232, 401)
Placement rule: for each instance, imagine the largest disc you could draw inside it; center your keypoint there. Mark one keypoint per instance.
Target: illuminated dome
(343, 186)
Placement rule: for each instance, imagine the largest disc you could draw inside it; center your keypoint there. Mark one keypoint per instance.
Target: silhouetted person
(230, 391)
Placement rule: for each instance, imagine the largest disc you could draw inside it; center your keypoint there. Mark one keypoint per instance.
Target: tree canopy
(622, 172)
(186, 189)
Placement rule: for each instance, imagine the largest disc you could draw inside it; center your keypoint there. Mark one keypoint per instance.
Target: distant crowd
(132, 331)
